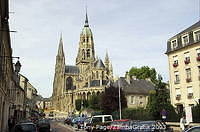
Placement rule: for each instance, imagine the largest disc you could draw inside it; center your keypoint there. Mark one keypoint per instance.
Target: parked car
(68, 121)
(99, 123)
(25, 127)
(43, 125)
(193, 129)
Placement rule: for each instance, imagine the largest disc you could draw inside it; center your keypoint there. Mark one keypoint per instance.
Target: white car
(193, 129)
(101, 118)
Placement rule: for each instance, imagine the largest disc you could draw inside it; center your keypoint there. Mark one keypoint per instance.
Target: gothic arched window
(69, 83)
(88, 53)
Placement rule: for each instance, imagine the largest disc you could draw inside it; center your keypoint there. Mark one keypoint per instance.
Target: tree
(143, 73)
(78, 104)
(110, 100)
(94, 102)
(160, 99)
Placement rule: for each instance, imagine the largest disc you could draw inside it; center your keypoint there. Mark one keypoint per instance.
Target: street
(58, 126)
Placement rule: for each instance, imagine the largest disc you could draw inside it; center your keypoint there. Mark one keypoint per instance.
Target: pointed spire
(60, 48)
(107, 58)
(86, 19)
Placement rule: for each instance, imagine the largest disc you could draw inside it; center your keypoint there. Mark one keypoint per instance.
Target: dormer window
(197, 35)
(174, 44)
(185, 40)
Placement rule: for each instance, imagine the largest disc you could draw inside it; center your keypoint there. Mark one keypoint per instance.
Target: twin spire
(60, 48)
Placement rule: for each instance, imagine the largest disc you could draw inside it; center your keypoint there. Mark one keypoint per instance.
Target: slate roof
(71, 69)
(179, 40)
(135, 87)
(99, 64)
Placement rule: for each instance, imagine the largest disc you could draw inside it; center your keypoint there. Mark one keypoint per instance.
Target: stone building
(183, 51)
(88, 76)
(136, 90)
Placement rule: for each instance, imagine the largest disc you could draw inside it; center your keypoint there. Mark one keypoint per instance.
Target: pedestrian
(10, 123)
(183, 122)
(163, 115)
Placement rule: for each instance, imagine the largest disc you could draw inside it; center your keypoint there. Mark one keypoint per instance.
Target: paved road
(57, 126)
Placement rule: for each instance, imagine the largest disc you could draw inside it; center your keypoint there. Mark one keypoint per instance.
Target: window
(107, 118)
(187, 57)
(178, 91)
(185, 39)
(197, 36)
(132, 100)
(190, 91)
(69, 83)
(174, 44)
(188, 75)
(199, 72)
(88, 53)
(177, 79)
(175, 58)
(178, 94)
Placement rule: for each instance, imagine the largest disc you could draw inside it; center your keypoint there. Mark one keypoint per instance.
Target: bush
(136, 114)
(196, 113)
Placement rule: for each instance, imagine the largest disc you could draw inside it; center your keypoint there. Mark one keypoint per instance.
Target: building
(136, 91)
(183, 51)
(88, 76)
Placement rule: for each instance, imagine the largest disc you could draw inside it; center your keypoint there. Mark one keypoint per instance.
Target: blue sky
(134, 32)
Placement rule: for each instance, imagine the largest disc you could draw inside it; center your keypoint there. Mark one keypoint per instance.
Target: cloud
(133, 32)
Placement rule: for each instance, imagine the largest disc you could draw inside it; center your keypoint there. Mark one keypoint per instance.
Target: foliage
(79, 104)
(143, 73)
(110, 100)
(94, 102)
(196, 113)
(136, 114)
(160, 99)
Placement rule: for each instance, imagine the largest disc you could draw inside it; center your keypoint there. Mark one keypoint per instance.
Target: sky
(134, 32)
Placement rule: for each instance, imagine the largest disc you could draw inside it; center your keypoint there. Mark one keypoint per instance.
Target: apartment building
(183, 51)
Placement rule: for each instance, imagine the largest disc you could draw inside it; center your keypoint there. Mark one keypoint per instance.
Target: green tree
(196, 113)
(143, 73)
(78, 104)
(94, 102)
(160, 99)
(110, 100)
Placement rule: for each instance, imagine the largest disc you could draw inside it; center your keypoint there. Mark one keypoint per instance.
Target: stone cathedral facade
(88, 76)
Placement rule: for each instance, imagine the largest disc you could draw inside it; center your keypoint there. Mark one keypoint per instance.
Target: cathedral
(89, 76)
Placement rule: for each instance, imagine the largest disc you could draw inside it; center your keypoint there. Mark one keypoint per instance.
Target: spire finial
(86, 19)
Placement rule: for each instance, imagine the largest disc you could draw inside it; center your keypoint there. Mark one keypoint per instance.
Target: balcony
(187, 61)
(188, 80)
(198, 58)
(190, 95)
(175, 65)
(178, 97)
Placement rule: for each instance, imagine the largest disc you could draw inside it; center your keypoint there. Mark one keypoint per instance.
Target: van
(101, 118)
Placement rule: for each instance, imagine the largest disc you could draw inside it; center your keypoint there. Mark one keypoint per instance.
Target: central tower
(86, 53)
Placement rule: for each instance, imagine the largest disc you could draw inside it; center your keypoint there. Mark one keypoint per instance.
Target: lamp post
(120, 111)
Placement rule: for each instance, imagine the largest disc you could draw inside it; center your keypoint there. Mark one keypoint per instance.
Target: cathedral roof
(99, 64)
(71, 69)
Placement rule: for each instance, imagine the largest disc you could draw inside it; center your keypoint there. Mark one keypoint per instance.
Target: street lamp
(120, 109)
